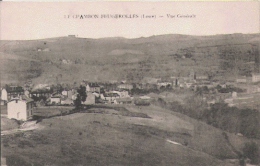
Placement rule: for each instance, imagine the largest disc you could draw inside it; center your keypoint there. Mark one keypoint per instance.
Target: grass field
(104, 136)
(51, 111)
(117, 58)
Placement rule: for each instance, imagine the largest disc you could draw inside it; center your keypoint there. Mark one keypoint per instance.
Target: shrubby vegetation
(229, 89)
(232, 119)
(142, 102)
(220, 115)
(234, 58)
(151, 89)
(251, 151)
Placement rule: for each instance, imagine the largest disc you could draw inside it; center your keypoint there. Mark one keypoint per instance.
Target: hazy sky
(35, 20)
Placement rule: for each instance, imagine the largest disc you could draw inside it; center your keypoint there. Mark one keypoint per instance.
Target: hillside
(108, 59)
(108, 136)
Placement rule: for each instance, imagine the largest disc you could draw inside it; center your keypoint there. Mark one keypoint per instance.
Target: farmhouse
(20, 108)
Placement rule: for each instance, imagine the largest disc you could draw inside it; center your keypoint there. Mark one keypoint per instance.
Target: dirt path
(27, 126)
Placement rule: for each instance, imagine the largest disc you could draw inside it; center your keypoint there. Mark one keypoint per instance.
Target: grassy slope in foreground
(111, 139)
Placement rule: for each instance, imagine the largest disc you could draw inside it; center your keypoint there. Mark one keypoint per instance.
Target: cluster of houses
(254, 79)
(21, 100)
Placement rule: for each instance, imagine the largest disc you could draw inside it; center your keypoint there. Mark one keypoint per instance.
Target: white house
(4, 95)
(66, 101)
(20, 108)
(122, 94)
(55, 100)
(91, 99)
(109, 97)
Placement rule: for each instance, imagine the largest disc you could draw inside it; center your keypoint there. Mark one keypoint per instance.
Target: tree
(251, 151)
(82, 92)
(77, 102)
(81, 96)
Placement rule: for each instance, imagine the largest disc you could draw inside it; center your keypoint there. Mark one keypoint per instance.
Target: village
(130, 84)
(20, 101)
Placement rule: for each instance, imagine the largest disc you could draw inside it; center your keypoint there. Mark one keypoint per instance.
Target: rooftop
(93, 85)
(23, 98)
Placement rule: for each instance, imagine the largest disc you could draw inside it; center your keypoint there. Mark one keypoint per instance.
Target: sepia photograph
(130, 83)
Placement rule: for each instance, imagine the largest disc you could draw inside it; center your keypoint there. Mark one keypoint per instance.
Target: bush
(251, 151)
(142, 103)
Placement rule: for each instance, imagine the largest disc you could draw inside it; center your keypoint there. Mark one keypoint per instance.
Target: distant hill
(70, 59)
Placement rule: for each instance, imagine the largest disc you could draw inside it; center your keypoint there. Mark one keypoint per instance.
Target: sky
(38, 20)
